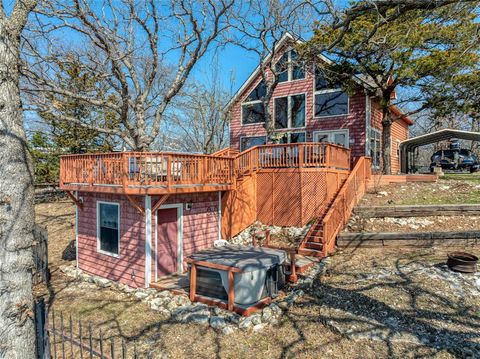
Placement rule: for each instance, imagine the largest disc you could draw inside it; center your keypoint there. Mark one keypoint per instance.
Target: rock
(182, 300)
(190, 313)
(172, 305)
(228, 330)
(163, 294)
(218, 323)
(140, 294)
(102, 282)
(383, 193)
(157, 304)
(128, 289)
(267, 314)
(258, 327)
(284, 305)
(276, 310)
(199, 319)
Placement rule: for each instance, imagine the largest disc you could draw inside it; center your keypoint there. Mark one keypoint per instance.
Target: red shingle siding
(354, 121)
(131, 260)
(399, 133)
(200, 229)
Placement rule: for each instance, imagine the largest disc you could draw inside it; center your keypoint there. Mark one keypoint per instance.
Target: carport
(408, 147)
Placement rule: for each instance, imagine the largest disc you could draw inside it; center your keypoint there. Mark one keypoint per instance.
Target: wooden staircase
(320, 239)
(312, 244)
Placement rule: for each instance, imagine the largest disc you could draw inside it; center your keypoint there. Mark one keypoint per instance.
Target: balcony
(157, 173)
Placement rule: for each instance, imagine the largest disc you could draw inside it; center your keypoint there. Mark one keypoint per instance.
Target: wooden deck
(150, 173)
(176, 283)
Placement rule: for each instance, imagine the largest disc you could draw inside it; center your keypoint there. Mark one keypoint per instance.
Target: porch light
(188, 206)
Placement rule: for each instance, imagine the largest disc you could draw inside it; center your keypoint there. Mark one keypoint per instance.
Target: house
(142, 216)
(307, 108)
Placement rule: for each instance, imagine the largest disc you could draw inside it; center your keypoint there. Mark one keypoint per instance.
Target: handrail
(166, 169)
(347, 197)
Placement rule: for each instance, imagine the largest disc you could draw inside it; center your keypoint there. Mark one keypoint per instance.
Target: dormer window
(290, 67)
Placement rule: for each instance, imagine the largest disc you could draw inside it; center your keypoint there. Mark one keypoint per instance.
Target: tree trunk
(387, 142)
(17, 332)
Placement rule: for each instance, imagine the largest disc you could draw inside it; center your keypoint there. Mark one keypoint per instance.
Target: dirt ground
(371, 303)
(450, 189)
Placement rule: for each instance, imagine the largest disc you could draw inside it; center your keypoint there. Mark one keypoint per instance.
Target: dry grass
(444, 191)
(362, 287)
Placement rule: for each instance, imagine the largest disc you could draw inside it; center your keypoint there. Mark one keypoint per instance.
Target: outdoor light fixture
(188, 206)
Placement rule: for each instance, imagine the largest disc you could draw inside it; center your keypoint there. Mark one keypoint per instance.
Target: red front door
(167, 250)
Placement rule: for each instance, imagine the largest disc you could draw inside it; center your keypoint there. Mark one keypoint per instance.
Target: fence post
(42, 343)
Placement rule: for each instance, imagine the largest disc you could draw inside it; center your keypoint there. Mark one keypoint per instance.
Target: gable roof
(360, 79)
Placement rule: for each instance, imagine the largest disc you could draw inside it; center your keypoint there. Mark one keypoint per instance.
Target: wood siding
(354, 121)
(200, 229)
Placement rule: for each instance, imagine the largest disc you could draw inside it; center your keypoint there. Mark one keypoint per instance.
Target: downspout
(219, 214)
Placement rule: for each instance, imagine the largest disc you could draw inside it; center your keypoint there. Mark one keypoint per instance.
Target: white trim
(148, 240)
(380, 145)
(179, 207)
(368, 120)
(156, 247)
(98, 229)
(289, 111)
(240, 143)
(76, 230)
(219, 214)
(331, 133)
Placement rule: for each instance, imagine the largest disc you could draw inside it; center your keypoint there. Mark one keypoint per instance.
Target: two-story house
(308, 108)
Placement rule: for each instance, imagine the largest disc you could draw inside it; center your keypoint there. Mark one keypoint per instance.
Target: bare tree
(200, 122)
(134, 47)
(17, 335)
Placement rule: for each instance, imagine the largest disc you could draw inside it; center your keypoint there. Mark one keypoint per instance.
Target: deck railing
(341, 208)
(161, 171)
(129, 170)
(293, 155)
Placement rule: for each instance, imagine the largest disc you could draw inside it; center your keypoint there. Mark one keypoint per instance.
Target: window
(290, 111)
(338, 137)
(108, 228)
(253, 113)
(375, 148)
(293, 137)
(333, 103)
(330, 100)
(290, 67)
(247, 142)
(252, 108)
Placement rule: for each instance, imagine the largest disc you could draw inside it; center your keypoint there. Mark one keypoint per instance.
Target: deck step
(314, 245)
(311, 252)
(317, 239)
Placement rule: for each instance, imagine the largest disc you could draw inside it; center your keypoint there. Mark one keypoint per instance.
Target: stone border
(179, 308)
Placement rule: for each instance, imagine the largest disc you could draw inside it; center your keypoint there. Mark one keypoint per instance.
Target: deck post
(300, 155)
(148, 240)
(193, 281)
(231, 290)
(293, 271)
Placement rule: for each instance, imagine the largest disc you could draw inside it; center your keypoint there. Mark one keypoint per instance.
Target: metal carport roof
(408, 146)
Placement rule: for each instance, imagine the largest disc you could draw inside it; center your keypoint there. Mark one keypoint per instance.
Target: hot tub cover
(245, 258)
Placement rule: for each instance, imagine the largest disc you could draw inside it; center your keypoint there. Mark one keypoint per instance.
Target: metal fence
(40, 256)
(60, 336)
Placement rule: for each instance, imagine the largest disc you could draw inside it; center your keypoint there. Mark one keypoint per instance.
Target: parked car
(455, 159)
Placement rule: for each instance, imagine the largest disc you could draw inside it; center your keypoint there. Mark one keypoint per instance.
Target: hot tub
(258, 273)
